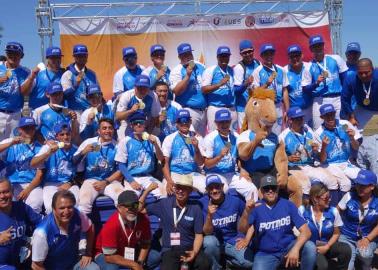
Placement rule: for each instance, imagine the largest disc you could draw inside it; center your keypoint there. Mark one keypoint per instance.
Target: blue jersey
(76, 97)
(23, 220)
(124, 79)
(300, 144)
(353, 87)
(263, 157)
(18, 158)
(225, 219)
(321, 231)
(59, 166)
(168, 126)
(45, 77)
(90, 130)
(10, 90)
(192, 96)
(332, 65)
(152, 72)
(351, 216)
(339, 148)
(261, 75)
(98, 164)
(139, 156)
(241, 74)
(223, 96)
(180, 154)
(297, 97)
(46, 117)
(62, 253)
(213, 145)
(274, 225)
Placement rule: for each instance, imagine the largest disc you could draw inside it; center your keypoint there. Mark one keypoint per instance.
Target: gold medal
(325, 73)
(142, 105)
(345, 127)
(228, 144)
(145, 136)
(366, 101)
(192, 64)
(164, 112)
(227, 77)
(97, 147)
(188, 140)
(27, 141)
(164, 68)
(274, 75)
(66, 111)
(310, 142)
(60, 144)
(9, 73)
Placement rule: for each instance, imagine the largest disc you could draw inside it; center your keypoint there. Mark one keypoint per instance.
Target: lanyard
(124, 229)
(323, 67)
(224, 75)
(274, 69)
(367, 92)
(319, 225)
(176, 219)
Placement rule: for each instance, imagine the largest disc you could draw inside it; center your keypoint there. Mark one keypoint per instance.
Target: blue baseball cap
(316, 39)
(80, 49)
(60, 126)
(245, 45)
(14, 47)
(53, 51)
(365, 178)
(137, 116)
(353, 47)
(326, 108)
(54, 87)
(128, 51)
(213, 179)
(142, 81)
(295, 112)
(93, 89)
(183, 48)
(294, 49)
(223, 50)
(267, 47)
(156, 48)
(222, 115)
(183, 116)
(26, 121)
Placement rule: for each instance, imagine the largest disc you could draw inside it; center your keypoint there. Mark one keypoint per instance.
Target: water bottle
(184, 266)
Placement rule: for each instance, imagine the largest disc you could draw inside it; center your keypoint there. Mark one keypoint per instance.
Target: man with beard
(222, 213)
(15, 82)
(51, 73)
(186, 82)
(294, 71)
(76, 80)
(55, 243)
(271, 76)
(217, 86)
(243, 78)
(363, 85)
(95, 157)
(124, 79)
(323, 79)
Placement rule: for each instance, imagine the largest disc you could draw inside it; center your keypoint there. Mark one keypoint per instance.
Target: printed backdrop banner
(105, 38)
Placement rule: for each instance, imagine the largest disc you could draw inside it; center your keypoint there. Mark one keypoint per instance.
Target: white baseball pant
(145, 181)
(8, 123)
(35, 198)
(344, 172)
(198, 120)
(244, 187)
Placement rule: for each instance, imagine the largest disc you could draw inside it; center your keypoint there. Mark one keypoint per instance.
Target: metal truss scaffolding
(48, 13)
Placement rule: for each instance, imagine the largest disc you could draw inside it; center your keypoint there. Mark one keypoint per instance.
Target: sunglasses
(94, 96)
(270, 188)
(131, 206)
(139, 122)
(248, 52)
(183, 121)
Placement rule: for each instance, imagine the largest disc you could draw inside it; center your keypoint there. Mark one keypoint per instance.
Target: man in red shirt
(125, 238)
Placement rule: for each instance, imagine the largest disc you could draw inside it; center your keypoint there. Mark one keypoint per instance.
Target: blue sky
(19, 23)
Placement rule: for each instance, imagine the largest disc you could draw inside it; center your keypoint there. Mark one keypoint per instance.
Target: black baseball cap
(128, 197)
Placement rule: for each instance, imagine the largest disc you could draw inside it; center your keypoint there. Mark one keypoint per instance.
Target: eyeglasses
(139, 122)
(270, 188)
(131, 206)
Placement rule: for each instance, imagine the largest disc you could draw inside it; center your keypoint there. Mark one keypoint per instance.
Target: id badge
(175, 239)
(129, 254)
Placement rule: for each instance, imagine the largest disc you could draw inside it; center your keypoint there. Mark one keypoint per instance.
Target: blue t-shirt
(274, 225)
(190, 224)
(129, 77)
(168, 126)
(63, 249)
(140, 156)
(225, 219)
(152, 72)
(10, 90)
(351, 217)
(18, 158)
(192, 96)
(90, 130)
(263, 157)
(48, 119)
(45, 77)
(325, 231)
(60, 167)
(297, 97)
(23, 220)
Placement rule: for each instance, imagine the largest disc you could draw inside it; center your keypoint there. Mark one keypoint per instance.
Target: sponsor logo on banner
(133, 25)
(175, 23)
(250, 21)
(269, 19)
(222, 21)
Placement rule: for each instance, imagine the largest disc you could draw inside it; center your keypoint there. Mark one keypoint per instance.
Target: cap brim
(185, 52)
